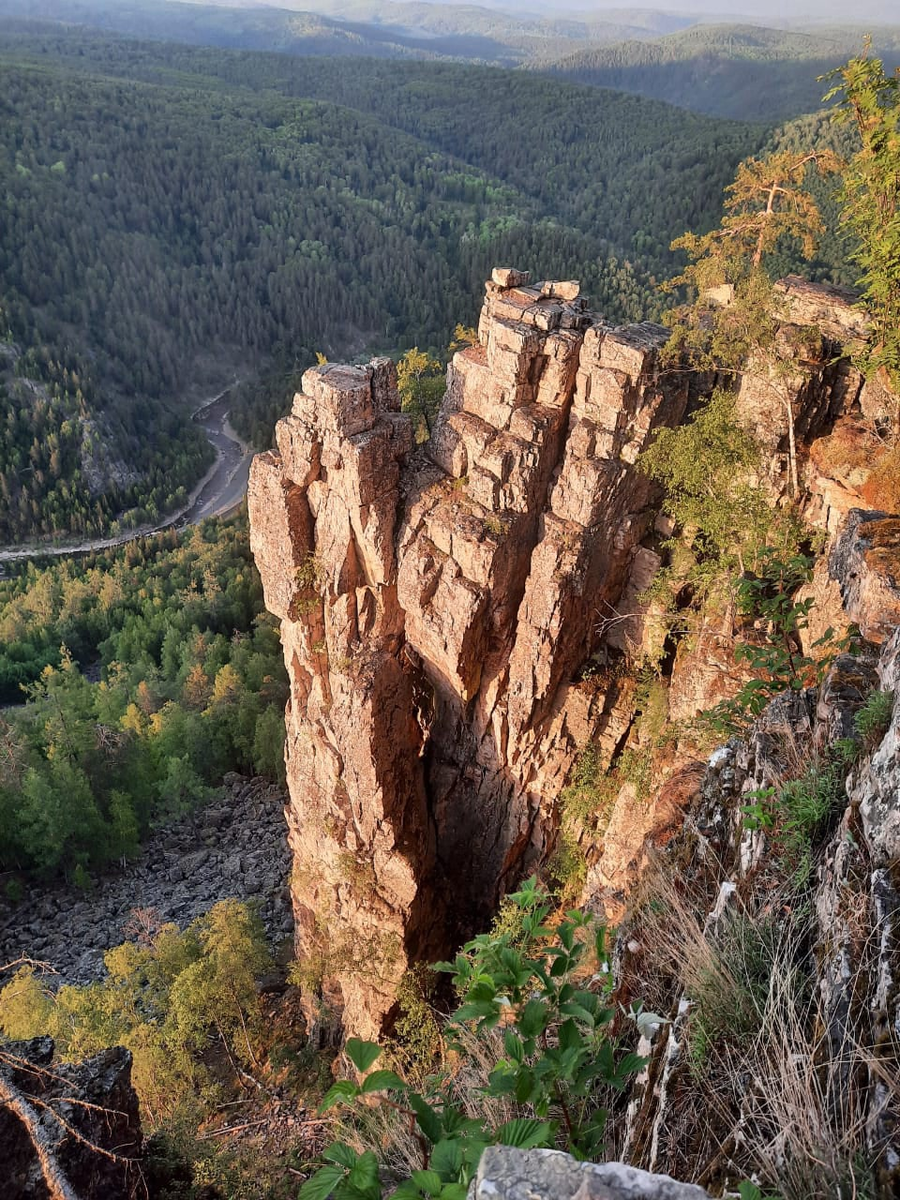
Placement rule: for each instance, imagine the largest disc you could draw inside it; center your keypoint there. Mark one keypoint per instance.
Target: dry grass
(771, 1084)
(806, 1124)
(882, 489)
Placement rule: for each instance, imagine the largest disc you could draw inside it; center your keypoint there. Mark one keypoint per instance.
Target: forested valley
(148, 673)
(166, 206)
(743, 71)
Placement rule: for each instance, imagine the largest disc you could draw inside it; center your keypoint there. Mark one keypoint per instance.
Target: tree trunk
(57, 1184)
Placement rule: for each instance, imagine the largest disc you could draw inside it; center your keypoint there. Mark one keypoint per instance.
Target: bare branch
(57, 1184)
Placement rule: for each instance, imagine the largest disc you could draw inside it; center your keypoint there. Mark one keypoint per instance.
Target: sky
(789, 11)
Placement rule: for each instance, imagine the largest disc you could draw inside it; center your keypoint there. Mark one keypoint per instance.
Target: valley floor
(236, 847)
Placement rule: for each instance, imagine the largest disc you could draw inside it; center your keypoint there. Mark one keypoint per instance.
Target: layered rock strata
(436, 609)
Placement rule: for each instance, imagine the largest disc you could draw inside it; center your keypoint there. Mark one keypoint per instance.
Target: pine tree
(870, 195)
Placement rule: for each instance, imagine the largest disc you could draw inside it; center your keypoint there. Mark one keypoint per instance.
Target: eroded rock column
(437, 609)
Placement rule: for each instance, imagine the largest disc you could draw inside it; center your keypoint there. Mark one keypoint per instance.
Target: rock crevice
(436, 607)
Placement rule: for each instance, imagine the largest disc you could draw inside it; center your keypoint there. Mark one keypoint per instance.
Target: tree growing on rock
(420, 381)
(870, 197)
(732, 314)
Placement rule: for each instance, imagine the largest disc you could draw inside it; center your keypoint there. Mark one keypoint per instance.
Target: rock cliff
(439, 604)
(68, 1129)
(436, 608)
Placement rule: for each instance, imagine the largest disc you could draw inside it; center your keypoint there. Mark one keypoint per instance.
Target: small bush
(310, 574)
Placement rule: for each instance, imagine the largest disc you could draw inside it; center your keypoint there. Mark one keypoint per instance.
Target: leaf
(428, 1181)
(649, 1023)
(427, 1118)
(525, 1133)
(447, 1159)
(322, 1184)
(630, 1065)
(481, 1010)
(748, 1190)
(454, 1191)
(338, 1093)
(382, 1081)
(364, 1172)
(513, 1046)
(362, 1054)
(534, 1018)
(569, 1035)
(341, 1154)
(407, 1190)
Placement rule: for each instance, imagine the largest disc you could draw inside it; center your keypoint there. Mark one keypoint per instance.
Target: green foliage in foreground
(168, 997)
(192, 685)
(530, 1008)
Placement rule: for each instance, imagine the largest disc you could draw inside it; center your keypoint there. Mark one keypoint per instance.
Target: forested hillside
(166, 204)
(737, 71)
(379, 28)
(192, 685)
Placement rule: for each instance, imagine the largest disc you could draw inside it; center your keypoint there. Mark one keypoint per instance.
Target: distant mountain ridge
(741, 71)
(379, 28)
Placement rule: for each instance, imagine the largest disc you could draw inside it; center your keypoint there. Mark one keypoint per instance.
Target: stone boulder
(509, 1174)
(69, 1110)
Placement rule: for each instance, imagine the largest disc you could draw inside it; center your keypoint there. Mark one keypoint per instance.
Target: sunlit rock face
(439, 605)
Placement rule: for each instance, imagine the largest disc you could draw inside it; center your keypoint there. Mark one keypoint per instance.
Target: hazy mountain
(381, 29)
(741, 71)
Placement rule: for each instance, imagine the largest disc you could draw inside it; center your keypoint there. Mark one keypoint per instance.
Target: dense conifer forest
(164, 203)
(742, 71)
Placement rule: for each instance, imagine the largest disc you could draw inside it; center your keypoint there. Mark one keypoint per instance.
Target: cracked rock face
(438, 606)
(94, 1099)
(435, 613)
(509, 1174)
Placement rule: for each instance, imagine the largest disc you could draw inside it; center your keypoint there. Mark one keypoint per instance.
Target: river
(220, 490)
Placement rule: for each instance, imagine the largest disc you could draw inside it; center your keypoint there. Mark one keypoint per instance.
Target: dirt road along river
(220, 490)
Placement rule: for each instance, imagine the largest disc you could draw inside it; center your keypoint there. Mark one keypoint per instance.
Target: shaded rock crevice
(437, 606)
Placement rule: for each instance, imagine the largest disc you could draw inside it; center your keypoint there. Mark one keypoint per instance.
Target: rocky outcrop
(439, 605)
(68, 1129)
(435, 619)
(814, 1072)
(505, 1173)
(865, 560)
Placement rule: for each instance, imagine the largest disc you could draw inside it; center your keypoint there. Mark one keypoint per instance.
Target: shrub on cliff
(870, 198)
(169, 998)
(530, 1056)
(725, 523)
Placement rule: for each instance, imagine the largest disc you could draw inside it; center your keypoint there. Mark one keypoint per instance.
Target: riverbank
(220, 490)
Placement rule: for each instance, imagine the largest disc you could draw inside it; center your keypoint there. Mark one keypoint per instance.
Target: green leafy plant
(759, 814)
(873, 720)
(531, 985)
(748, 1190)
(767, 599)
